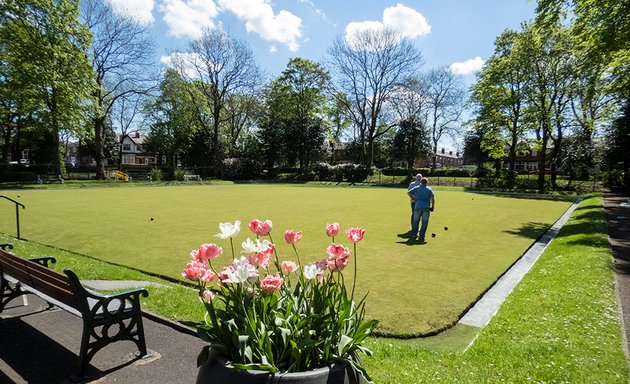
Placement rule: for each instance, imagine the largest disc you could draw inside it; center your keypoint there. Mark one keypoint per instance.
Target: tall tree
(368, 67)
(272, 125)
(303, 84)
(446, 95)
(172, 120)
(411, 140)
(548, 61)
(618, 142)
(122, 60)
(500, 101)
(218, 66)
(241, 112)
(474, 153)
(602, 28)
(48, 55)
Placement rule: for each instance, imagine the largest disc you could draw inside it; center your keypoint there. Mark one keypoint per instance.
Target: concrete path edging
(484, 310)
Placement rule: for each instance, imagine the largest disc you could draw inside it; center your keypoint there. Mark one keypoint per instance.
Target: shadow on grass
(410, 240)
(526, 195)
(529, 230)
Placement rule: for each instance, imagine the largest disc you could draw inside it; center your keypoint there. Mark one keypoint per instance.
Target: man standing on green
(413, 184)
(424, 205)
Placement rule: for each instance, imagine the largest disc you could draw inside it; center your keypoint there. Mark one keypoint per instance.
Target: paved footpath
(618, 217)
(40, 346)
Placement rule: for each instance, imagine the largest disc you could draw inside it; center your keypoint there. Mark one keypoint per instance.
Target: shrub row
(241, 169)
(354, 173)
(390, 171)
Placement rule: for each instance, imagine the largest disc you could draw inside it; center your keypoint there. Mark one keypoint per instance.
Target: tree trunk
(512, 159)
(557, 145)
(99, 129)
(6, 148)
(542, 162)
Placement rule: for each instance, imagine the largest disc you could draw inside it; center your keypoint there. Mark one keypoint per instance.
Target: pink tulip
(289, 266)
(337, 250)
(355, 234)
(292, 237)
(207, 296)
(340, 263)
(260, 228)
(208, 276)
(260, 259)
(208, 252)
(271, 283)
(267, 248)
(332, 229)
(194, 270)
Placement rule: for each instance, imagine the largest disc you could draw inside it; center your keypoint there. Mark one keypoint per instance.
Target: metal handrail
(17, 213)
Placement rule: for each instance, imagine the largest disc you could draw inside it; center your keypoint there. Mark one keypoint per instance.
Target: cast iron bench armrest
(116, 303)
(44, 260)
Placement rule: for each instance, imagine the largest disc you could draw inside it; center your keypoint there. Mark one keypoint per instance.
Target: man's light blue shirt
(423, 195)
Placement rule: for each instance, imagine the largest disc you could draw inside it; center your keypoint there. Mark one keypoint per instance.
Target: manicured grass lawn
(560, 325)
(413, 289)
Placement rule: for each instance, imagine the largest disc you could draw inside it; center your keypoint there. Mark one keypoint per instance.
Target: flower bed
(276, 316)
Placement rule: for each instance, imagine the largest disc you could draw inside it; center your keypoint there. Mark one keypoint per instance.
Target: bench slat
(49, 289)
(14, 266)
(51, 283)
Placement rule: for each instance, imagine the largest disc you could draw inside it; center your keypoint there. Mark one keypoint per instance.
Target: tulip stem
(354, 281)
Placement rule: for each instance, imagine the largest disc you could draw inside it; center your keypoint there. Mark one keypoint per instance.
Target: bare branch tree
(368, 66)
(124, 113)
(218, 67)
(446, 95)
(122, 59)
(410, 105)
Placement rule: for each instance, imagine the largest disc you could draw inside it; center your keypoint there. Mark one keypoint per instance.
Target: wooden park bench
(106, 318)
(192, 177)
(47, 179)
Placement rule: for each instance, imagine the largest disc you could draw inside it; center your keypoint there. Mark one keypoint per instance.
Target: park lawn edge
(561, 324)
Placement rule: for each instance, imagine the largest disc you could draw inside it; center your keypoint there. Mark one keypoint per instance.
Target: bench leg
(133, 330)
(141, 343)
(8, 293)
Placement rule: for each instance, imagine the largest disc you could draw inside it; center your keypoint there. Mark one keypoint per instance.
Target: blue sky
(455, 33)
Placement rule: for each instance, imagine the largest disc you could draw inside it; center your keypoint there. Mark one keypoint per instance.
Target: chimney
(450, 153)
(442, 150)
(137, 134)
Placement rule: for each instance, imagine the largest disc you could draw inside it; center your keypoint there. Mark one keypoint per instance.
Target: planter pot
(216, 371)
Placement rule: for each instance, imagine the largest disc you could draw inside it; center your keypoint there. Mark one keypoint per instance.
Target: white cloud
(139, 10)
(184, 62)
(404, 20)
(283, 27)
(467, 67)
(188, 17)
(409, 22)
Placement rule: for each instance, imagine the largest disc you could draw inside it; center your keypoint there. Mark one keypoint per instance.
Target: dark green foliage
(241, 169)
(618, 143)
